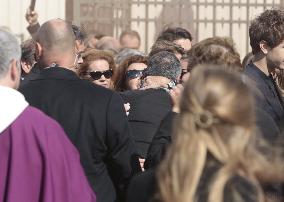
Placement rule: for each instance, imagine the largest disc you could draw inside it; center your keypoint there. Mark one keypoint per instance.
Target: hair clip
(205, 119)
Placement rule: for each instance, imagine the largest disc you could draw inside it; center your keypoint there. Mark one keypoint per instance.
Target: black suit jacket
(267, 97)
(94, 119)
(147, 110)
(161, 141)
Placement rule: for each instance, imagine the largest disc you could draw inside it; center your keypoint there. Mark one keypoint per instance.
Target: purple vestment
(38, 163)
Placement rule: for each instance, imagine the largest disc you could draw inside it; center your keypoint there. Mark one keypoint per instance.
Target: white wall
(12, 13)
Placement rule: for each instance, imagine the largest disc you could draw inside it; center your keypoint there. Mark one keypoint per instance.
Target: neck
(261, 62)
(62, 60)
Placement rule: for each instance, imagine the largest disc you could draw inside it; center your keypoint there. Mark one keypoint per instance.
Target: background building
(203, 18)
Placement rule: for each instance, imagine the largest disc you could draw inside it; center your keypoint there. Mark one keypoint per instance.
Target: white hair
(9, 50)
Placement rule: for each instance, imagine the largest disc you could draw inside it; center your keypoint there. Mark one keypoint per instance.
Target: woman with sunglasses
(97, 66)
(129, 73)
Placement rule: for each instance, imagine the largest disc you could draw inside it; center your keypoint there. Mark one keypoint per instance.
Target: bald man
(92, 116)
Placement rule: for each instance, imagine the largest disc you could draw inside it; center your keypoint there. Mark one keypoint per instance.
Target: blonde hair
(213, 122)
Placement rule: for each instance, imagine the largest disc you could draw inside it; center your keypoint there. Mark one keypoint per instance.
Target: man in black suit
(150, 104)
(93, 117)
(267, 41)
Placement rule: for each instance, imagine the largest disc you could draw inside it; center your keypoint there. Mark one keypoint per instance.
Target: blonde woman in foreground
(213, 156)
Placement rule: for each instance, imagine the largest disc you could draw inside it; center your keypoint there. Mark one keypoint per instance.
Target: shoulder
(251, 71)
(34, 118)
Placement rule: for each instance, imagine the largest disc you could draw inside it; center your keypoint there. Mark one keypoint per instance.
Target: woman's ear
(264, 47)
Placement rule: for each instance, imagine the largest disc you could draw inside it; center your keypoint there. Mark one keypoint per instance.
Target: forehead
(99, 65)
(137, 66)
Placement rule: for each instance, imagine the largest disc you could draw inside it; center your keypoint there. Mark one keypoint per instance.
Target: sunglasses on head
(98, 74)
(132, 74)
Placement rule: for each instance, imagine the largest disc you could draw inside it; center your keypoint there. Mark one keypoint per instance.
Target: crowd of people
(88, 117)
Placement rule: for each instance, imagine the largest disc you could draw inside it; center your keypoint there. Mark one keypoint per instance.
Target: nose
(103, 78)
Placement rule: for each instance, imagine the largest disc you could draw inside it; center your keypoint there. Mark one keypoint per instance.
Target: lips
(104, 85)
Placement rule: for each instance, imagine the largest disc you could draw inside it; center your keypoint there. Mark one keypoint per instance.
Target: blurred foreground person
(92, 116)
(37, 161)
(213, 156)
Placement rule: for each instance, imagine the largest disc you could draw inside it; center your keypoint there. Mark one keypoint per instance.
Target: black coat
(147, 110)
(161, 141)
(94, 119)
(267, 96)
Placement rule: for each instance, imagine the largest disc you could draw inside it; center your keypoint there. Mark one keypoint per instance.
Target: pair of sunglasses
(132, 74)
(98, 74)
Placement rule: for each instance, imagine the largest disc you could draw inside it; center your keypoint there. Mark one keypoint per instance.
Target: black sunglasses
(132, 74)
(98, 74)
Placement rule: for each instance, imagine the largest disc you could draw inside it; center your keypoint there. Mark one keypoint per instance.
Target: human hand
(175, 94)
(127, 108)
(142, 161)
(31, 17)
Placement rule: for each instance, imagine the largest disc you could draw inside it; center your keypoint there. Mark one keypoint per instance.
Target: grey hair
(9, 50)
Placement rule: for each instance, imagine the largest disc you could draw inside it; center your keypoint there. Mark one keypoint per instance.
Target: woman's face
(100, 73)
(133, 75)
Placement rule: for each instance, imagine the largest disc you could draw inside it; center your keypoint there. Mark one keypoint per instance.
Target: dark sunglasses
(132, 74)
(97, 74)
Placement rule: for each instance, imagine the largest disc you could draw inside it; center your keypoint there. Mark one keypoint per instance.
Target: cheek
(133, 83)
(95, 82)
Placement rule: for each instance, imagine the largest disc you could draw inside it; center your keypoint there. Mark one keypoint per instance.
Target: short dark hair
(174, 33)
(268, 27)
(164, 64)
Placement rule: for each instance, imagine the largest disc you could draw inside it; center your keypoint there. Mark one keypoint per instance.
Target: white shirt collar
(12, 104)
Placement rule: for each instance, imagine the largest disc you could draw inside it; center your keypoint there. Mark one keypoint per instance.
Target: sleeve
(121, 159)
(32, 29)
(160, 142)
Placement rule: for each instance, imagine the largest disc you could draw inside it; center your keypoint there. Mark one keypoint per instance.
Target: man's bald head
(56, 36)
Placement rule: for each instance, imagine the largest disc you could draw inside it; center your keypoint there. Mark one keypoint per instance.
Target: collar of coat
(57, 73)
(12, 104)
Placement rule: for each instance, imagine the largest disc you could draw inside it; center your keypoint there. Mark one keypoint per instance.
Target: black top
(94, 119)
(267, 97)
(237, 189)
(147, 109)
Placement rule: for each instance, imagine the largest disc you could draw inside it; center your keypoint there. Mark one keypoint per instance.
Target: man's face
(155, 82)
(130, 42)
(275, 57)
(184, 43)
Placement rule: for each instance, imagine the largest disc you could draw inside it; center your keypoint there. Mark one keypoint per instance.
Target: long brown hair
(120, 80)
(212, 122)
